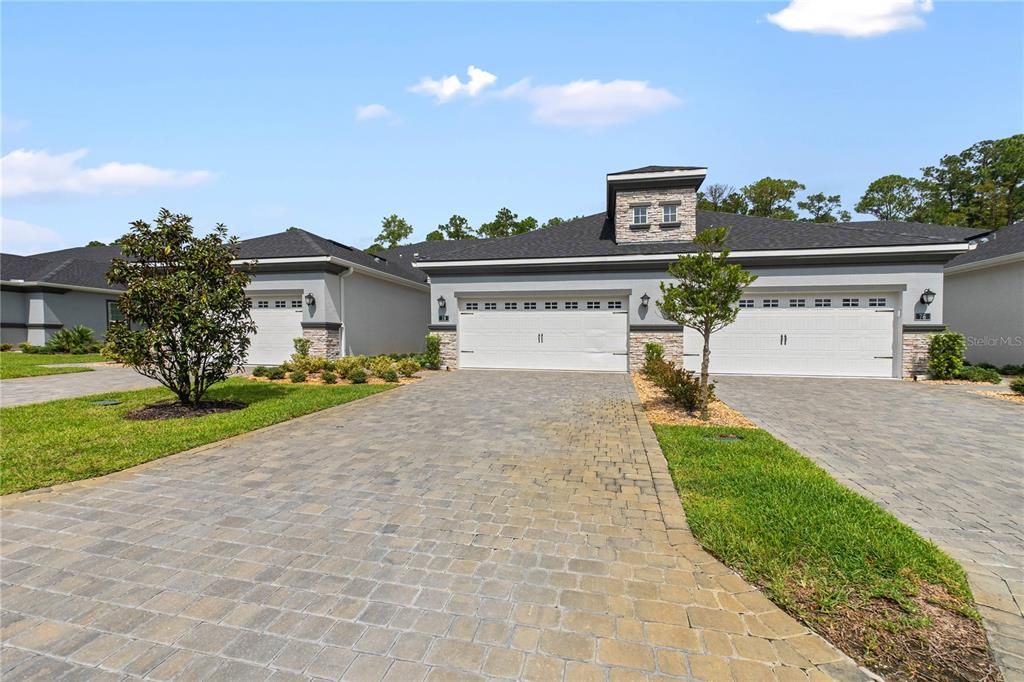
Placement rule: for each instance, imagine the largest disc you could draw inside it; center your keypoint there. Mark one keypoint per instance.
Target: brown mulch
(937, 643)
(175, 410)
(315, 379)
(1012, 397)
(951, 382)
(661, 410)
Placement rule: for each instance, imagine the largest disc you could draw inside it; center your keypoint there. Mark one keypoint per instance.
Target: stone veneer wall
(915, 352)
(449, 348)
(326, 342)
(671, 340)
(684, 198)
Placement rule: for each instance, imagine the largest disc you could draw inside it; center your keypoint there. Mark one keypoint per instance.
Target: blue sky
(247, 113)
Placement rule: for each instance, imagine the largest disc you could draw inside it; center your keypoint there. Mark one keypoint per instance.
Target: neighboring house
(985, 297)
(344, 299)
(831, 300)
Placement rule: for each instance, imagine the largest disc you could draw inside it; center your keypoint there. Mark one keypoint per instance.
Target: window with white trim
(472, 305)
(280, 304)
(851, 302)
(114, 313)
(262, 304)
(668, 214)
(530, 305)
(550, 305)
(639, 215)
(593, 305)
(297, 303)
(746, 303)
(614, 305)
(877, 302)
(823, 303)
(572, 305)
(490, 306)
(797, 303)
(770, 303)
(511, 305)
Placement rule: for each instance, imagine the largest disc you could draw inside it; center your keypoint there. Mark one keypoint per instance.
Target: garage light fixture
(310, 299)
(441, 303)
(927, 297)
(645, 301)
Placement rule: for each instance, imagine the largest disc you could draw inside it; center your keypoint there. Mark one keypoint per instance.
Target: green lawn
(16, 365)
(826, 554)
(68, 440)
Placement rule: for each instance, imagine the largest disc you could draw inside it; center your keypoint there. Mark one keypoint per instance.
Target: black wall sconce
(441, 303)
(927, 297)
(310, 299)
(645, 300)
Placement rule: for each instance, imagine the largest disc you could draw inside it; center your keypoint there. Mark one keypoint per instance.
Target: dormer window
(668, 214)
(639, 215)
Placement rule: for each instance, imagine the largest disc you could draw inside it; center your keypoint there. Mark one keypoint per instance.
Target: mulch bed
(175, 410)
(1012, 397)
(661, 410)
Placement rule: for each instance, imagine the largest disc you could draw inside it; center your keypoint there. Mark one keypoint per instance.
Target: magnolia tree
(705, 296)
(189, 319)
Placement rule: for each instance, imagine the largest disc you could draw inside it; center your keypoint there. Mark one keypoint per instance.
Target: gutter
(987, 263)
(334, 260)
(52, 287)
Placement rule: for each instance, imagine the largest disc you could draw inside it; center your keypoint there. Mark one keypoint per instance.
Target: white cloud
(852, 18)
(26, 171)
(18, 236)
(451, 86)
(592, 103)
(369, 112)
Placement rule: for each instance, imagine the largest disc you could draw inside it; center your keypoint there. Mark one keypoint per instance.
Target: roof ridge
(60, 266)
(851, 225)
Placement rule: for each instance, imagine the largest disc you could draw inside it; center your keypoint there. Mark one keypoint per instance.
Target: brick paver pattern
(474, 525)
(944, 460)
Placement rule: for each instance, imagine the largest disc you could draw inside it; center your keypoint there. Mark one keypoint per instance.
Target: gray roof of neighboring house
(1003, 242)
(594, 236)
(99, 254)
(67, 271)
(656, 169)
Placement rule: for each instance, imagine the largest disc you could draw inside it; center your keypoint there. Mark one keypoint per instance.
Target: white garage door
(278, 321)
(845, 335)
(559, 334)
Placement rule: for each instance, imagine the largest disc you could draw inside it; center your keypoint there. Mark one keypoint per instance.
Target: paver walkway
(944, 460)
(103, 379)
(479, 524)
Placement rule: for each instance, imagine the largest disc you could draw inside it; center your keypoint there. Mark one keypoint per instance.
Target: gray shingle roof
(1003, 242)
(656, 169)
(69, 271)
(594, 236)
(99, 254)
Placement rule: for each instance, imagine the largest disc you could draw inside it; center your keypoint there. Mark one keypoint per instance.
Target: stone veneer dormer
(655, 187)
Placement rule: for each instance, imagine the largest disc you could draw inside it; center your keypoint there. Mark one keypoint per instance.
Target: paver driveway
(103, 379)
(944, 460)
(475, 524)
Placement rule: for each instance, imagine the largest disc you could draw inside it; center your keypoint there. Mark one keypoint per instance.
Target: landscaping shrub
(357, 375)
(309, 364)
(381, 364)
(390, 375)
(275, 373)
(6, 347)
(983, 365)
(302, 346)
(297, 377)
(286, 366)
(979, 373)
(432, 356)
(33, 350)
(407, 367)
(343, 366)
(1017, 385)
(653, 353)
(77, 340)
(1012, 370)
(260, 371)
(946, 355)
(329, 377)
(682, 386)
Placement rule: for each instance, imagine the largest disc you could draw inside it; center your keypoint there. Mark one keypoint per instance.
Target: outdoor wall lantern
(310, 299)
(645, 301)
(441, 303)
(927, 297)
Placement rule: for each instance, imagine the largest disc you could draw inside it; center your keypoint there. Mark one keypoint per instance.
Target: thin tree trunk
(705, 361)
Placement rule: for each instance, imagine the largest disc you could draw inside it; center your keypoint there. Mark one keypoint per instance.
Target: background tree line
(981, 187)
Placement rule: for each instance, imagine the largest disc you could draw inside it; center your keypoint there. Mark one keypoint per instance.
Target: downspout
(344, 309)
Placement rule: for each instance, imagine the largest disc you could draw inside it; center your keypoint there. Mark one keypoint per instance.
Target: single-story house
(346, 300)
(844, 299)
(985, 297)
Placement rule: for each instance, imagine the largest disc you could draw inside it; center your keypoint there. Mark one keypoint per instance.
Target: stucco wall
(325, 287)
(987, 307)
(382, 317)
(13, 317)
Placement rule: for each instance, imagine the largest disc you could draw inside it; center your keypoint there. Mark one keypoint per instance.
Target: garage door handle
(883, 357)
(785, 339)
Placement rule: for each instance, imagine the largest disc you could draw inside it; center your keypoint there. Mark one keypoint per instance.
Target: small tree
(393, 231)
(186, 303)
(705, 297)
